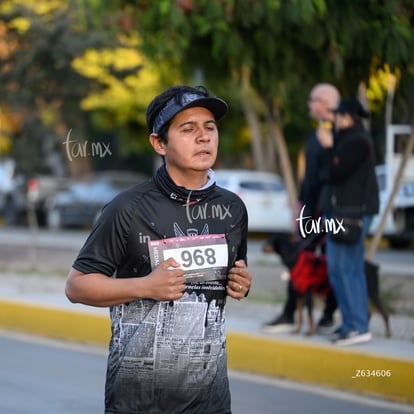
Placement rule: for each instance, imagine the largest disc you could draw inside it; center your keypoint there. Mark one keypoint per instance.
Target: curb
(86, 327)
(380, 375)
(390, 378)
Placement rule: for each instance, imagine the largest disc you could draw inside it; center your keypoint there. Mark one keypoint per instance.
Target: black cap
(352, 107)
(185, 100)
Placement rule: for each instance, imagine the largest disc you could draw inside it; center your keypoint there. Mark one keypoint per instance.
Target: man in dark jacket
(323, 98)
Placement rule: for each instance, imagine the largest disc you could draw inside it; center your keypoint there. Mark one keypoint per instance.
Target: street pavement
(60, 377)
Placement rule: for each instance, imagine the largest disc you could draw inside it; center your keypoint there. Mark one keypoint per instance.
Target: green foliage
(285, 45)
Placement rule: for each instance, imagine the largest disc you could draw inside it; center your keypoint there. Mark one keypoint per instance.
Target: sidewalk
(33, 301)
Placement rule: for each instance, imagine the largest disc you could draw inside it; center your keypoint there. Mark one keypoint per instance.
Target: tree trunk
(270, 153)
(252, 120)
(286, 166)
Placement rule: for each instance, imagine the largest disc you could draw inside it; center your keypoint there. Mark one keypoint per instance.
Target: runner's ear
(157, 144)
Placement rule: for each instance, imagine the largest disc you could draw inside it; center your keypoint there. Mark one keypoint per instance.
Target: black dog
(371, 274)
(289, 251)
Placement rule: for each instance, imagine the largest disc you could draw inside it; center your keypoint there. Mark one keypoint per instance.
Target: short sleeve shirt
(165, 356)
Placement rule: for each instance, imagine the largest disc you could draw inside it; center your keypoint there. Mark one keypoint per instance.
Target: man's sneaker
(352, 338)
(325, 325)
(280, 324)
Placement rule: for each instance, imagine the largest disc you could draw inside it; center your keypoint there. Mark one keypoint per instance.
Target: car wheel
(54, 219)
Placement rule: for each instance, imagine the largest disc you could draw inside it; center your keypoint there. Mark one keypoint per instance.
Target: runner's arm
(165, 282)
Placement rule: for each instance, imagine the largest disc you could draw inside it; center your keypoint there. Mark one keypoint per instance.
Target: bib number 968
(198, 257)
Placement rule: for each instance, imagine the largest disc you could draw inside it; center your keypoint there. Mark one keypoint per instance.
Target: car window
(6, 175)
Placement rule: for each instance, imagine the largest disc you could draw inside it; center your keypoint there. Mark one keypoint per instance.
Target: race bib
(203, 258)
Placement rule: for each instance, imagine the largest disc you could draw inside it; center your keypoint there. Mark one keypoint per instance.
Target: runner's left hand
(239, 280)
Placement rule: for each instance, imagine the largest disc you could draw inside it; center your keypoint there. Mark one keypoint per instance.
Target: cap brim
(216, 106)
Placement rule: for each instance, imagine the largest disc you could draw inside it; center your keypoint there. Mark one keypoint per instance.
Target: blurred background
(76, 77)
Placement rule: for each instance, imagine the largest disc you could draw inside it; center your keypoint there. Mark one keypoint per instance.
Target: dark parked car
(81, 203)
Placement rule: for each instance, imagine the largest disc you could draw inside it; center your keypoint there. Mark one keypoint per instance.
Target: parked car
(36, 191)
(81, 203)
(7, 187)
(265, 197)
(399, 226)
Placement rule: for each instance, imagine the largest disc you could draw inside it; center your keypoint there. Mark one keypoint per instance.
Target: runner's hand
(165, 282)
(239, 280)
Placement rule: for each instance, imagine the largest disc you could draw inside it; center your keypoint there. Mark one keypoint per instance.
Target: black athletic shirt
(165, 357)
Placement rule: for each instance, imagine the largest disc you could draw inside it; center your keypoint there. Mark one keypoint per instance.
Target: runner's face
(192, 141)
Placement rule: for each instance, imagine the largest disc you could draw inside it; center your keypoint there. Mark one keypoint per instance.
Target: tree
(38, 82)
(274, 51)
(262, 55)
(125, 82)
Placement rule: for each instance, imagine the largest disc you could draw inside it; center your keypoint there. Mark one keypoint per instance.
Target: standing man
(323, 98)
(163, 256)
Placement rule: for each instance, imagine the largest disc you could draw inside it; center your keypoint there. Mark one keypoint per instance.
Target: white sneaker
(352, 338)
